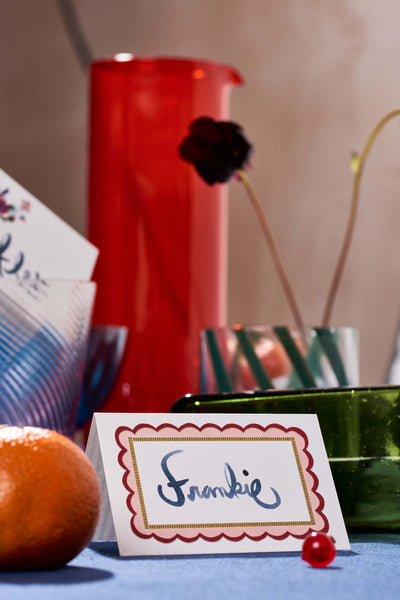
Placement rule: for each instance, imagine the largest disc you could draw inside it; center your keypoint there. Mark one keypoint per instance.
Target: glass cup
(43, 341)
(106, 349)
(238, 358)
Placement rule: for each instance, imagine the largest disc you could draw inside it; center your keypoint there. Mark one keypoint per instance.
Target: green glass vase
(361, 430)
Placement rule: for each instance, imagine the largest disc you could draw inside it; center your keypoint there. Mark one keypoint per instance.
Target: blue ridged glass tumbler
(44, 328)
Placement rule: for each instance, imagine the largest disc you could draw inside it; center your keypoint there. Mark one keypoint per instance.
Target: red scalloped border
(221, 429)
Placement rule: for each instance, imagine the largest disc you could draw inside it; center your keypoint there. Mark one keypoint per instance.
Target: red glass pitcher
(161, 231)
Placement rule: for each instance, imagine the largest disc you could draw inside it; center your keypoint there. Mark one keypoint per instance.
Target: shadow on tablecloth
(63, 576)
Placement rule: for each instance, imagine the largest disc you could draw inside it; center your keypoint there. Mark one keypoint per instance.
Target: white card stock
(35, 242)
(212, 483)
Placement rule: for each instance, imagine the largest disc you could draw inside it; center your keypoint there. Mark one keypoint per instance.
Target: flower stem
(352, 218)
(273, 248)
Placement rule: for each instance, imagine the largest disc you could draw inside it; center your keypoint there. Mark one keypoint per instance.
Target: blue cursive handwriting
(13, 266)
(234, 488)
(172, 482)
(5, 243)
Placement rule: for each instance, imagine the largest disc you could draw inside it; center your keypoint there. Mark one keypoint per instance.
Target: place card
(203, 484)
(35, 242)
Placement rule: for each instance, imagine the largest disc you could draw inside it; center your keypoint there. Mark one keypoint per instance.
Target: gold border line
(148, 525)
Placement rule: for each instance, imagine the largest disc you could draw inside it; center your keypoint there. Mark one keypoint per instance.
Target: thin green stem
(352, 218)
(273, 248)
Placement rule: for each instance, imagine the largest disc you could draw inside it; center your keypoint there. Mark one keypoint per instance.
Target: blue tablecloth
(369, 571)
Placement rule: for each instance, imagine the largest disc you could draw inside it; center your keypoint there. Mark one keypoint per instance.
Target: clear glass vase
(238, 358)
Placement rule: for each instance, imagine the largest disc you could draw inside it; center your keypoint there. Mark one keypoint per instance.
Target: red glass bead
(318, 549)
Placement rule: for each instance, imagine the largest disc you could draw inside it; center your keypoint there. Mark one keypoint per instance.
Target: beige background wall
(319, 75)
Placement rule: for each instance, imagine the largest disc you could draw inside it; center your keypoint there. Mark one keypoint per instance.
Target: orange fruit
(49, 499)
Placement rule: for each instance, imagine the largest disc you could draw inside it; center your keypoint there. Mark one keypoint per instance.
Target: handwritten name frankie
(235, 489)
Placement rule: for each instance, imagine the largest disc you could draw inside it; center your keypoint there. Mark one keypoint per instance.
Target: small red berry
(318, 549)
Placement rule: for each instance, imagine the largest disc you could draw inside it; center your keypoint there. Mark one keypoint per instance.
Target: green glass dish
(361, 431)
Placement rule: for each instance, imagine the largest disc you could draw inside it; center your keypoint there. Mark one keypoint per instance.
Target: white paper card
(212, 483)
(35, 242)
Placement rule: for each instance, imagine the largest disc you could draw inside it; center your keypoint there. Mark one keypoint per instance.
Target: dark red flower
(215, 148)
